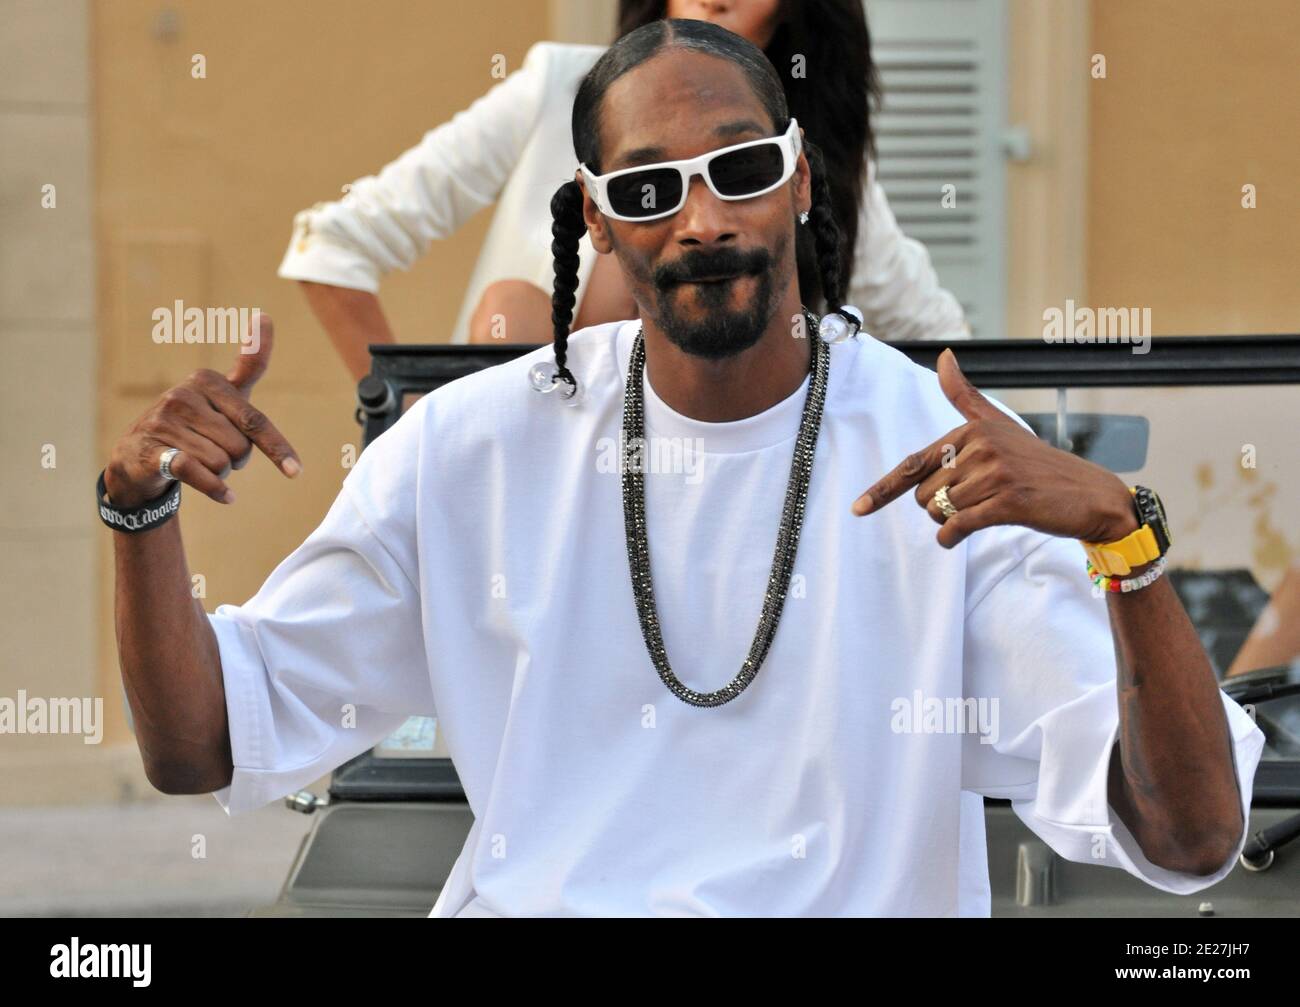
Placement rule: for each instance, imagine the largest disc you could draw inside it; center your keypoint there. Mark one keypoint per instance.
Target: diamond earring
(803, 217)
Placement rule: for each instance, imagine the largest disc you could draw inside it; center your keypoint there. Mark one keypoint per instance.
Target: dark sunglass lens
(746, 171)
(645, 193)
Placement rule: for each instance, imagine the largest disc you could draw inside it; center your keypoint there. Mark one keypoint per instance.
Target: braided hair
(567, 222)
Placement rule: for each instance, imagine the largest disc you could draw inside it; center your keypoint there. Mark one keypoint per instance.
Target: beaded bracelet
(1118, 584)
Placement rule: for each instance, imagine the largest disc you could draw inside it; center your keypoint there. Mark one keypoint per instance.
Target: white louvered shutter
(943, 67)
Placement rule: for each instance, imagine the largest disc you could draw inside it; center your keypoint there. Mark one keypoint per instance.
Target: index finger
(252, 423)
(911, 471)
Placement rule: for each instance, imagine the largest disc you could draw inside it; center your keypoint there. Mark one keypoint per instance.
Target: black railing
(400, 370)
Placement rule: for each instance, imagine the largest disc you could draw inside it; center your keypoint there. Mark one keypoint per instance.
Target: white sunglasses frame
(791, 144)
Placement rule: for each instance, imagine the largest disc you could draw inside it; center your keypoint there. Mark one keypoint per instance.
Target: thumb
(254, 354)
(961, 393)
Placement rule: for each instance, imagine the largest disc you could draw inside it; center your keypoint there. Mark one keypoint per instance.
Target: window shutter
(943, 68)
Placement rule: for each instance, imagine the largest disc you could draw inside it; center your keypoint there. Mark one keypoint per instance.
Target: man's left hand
(997, 472)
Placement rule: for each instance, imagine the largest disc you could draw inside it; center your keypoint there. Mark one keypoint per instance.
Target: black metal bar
(368, 778)
(990, 363)
(1171, 360)
(1277, 784)
(997, 363)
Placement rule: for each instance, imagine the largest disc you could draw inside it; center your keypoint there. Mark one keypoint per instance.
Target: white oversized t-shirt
(474, 567)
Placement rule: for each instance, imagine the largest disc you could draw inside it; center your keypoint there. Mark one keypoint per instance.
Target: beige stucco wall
(50, 596)
(1200, 98)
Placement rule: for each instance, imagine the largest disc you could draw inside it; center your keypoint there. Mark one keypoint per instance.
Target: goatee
(716, 330)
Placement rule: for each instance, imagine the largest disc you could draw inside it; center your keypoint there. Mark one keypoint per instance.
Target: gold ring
(943, 503)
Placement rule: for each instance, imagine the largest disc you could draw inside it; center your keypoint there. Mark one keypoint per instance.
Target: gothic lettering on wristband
(148, 515)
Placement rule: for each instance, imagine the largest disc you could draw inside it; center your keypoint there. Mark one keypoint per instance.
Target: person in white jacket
(513, 146)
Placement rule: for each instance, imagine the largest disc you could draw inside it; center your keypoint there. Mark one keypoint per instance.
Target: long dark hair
(831, 44)
(826, 254)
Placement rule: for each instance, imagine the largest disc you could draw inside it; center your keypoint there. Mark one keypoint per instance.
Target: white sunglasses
(652, 191)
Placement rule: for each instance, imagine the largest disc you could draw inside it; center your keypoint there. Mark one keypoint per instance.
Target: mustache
(695, 265)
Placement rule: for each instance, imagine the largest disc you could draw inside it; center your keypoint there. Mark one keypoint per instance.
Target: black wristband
(149, 514)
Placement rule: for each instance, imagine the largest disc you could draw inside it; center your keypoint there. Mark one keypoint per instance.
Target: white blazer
(514, 146)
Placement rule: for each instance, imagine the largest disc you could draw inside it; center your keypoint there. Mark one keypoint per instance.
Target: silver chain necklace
(787, 542)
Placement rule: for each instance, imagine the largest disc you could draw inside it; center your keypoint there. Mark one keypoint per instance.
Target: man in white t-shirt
(688, 655)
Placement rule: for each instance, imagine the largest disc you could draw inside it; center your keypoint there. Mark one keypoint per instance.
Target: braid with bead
(568, 227)
(829, 251)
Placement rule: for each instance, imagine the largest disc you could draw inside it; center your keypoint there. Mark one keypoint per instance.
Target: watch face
(1152, 512)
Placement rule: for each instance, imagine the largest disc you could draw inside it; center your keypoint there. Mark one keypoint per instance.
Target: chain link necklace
(787, 542)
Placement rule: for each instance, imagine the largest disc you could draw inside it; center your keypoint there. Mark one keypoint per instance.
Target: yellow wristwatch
(1149, 542)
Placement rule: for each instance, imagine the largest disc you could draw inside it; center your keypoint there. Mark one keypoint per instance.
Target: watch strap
(1114, 559)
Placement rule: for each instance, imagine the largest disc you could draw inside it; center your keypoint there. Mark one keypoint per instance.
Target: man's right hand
(211, 420)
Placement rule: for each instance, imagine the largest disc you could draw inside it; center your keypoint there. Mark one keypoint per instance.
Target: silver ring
(165, 462)
(943, 503)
